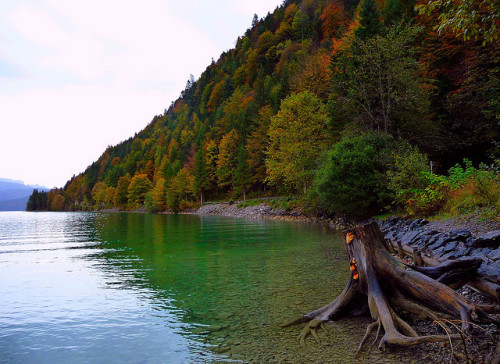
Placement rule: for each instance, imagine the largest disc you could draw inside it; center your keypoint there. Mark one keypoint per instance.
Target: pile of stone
(442, 246)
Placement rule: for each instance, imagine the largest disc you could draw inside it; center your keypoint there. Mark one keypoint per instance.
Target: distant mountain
(14, 194)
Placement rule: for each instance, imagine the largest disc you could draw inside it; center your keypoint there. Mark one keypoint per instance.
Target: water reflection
(66, 298)
(91, 287)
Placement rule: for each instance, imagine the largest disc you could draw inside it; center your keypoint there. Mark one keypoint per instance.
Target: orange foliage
(178, 105)
(115, 161)
(216, 96)
(290, 12)
(314, 77)
(332, 18)
(150, 170)
(348, 36)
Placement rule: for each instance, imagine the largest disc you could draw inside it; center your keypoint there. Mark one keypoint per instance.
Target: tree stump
(384, 287)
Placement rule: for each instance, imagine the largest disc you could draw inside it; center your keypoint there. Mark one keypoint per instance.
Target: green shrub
(252, 202)
(406, 173)
(352, 181)
(465, 190)
(428, 200)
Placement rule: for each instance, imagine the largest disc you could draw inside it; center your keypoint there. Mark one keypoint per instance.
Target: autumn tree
(109, 195)
(378, 85)
(256, 146)
(55, 200)
(139, 186)
(121, 194)
(149, 170)
(314, 76)
(179, 190)
(332, 19)
(99, 194)
(242, 175)
(468, 19)
(297, 137)
(211, 155)
(156, 198)
(226, 160)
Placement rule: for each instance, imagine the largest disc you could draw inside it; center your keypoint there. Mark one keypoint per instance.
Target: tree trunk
(384, 287)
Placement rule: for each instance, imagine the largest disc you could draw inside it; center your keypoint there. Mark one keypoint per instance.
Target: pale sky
(79, 75)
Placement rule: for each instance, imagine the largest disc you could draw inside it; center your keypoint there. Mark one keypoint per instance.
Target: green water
(142, 288)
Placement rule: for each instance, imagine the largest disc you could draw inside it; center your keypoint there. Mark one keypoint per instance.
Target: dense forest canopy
(308, 92)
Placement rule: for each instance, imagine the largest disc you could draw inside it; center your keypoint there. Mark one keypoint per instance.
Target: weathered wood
(384, 287)
(477, 283)
(400, 250)
(496, 355)
(418, 257)
(484, 286)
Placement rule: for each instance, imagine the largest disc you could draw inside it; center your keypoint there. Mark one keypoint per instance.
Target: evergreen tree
(397, 10)
(201, 181)
(369, 23)
(37, 201)
(242, 177)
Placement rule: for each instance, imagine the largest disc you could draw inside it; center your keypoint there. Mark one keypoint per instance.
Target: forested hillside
(343, 103)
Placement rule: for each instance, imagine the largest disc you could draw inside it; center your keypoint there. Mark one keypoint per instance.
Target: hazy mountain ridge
(14, 194)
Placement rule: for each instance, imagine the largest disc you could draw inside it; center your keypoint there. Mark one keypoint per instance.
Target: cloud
(68, 128)
(132, 41)
(259, 7)
(83, 75)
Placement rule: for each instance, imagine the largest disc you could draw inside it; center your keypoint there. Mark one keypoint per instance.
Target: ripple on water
(90, 287)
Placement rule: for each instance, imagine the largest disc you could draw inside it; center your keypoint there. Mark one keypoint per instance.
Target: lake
(146, 288)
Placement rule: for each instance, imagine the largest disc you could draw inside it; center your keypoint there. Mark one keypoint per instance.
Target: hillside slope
(298, 82)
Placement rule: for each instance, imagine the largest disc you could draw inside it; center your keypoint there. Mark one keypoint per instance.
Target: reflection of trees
(218, 271)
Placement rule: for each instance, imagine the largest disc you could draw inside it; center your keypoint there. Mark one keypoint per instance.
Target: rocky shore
(264, 211)
(437, 240)
(449, 240)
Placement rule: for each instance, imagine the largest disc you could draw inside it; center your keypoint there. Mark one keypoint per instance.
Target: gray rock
(440, 241)
(450, 255)
(494, 254)
(410, 237)
(492, 271)
(491, 239)
(460, 235)
(480, 253)
(450, 246)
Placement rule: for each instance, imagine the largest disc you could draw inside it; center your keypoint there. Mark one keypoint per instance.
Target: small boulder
(490, 239)
(494, 254)
(460, 235)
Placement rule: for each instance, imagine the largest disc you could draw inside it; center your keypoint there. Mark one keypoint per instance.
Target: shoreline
(265, 212)
(442, 239)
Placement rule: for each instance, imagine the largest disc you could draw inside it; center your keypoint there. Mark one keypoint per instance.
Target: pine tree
(201, 181)
(242, 176)
(370, 24)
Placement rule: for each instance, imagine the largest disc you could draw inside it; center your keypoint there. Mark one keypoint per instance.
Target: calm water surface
(141, 288)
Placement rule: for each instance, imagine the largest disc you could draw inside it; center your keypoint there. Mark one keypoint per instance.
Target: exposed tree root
(381, 285)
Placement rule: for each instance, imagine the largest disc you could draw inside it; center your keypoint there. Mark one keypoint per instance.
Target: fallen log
(384, 287)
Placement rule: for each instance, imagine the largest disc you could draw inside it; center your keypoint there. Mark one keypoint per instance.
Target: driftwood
(477, 282)
(387, 289)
